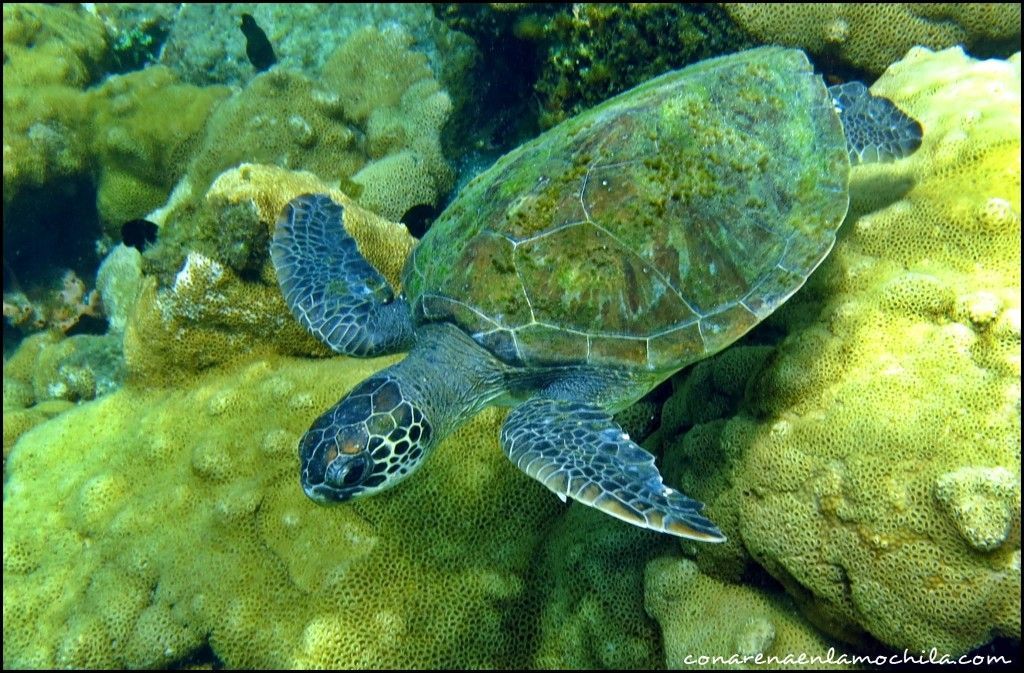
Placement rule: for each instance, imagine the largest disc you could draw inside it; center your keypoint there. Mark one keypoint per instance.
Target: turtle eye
(346, 472)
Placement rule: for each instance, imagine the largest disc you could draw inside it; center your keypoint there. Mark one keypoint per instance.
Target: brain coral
(139, 527)
(871, 36)
(873, 466)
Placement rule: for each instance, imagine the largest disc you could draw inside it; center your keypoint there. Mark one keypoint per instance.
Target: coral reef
(374, 102)
(78, 161)
(205, 45)
(140, 150)
(591, 577)
(873, 463)
(431, 574)
(119, 281)
(60, 309)
(210, 312)
(142, 138)
(268, 188)
(388, 89)
(871, 36)
(50, 53)
(703, 617)
(862, 448)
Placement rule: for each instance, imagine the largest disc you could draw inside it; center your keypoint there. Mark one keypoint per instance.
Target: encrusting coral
(140, 526)
(144, 137)
(385, 244)
(148, 124)
(873, 465)
(50, 54)
(375, 100)
(871, 36)
(590, 574)
(702, 617)
(209, 314)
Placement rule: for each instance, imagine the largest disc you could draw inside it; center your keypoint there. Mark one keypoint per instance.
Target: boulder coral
(871, 461)
(210, 313)
(871, 36)
(58, 130)
(374, 100)
(702, 617)
(385, 244)
(50, 54)
(590, 573)
(147, 524)
(371, 121)
(139, 149)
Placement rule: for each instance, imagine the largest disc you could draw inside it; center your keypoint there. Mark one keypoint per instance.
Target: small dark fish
(257, 46)
(138, 233)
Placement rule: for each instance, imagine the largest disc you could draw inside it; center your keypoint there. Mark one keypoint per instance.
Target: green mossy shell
(650, 231)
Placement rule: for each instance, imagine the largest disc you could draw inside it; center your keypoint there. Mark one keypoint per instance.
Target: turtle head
(369, 441)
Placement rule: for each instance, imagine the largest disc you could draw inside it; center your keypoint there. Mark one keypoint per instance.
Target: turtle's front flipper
(577, 450)
(330, 288)
(876, 130)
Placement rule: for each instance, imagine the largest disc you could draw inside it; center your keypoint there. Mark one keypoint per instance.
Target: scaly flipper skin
(876, 130)
(328, 285)
(577, 450)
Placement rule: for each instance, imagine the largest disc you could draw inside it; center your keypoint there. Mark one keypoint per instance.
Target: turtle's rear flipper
(330, 288)
(577, 450)
(876, 130)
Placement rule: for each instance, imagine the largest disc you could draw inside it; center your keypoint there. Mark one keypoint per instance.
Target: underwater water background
(859, 448)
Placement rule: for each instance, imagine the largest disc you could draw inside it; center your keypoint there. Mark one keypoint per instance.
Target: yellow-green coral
(374, 100)
(209, 314)
(135, 132)
(50, 54)
(591, 577)
(143, 525)
(873, 35)
(384, 244)
(873, 466)
(148, 125)
(373, 70)
(702, 618)
(390, 87)
(46, 44)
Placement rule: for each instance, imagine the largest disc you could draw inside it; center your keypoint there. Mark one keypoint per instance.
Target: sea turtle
(581, 270)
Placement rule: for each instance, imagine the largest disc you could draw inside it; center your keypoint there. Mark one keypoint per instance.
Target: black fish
(138, 233)
(257, 46)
